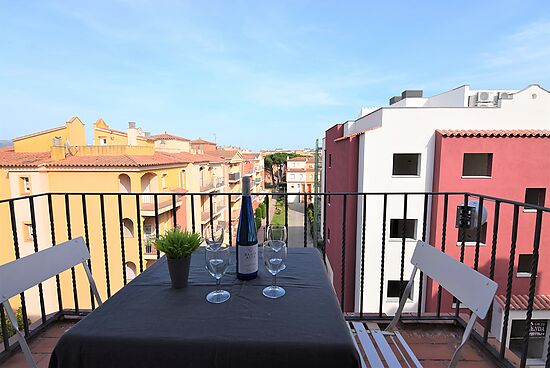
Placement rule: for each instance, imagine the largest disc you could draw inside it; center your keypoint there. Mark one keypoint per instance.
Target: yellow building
(86, 191)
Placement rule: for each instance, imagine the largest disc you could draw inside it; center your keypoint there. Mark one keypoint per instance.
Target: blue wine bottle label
(248, 259)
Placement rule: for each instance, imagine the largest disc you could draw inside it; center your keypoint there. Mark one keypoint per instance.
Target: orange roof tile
(10, 158)
(519, 302)
(494, 133)
(355, 134)
(201, 141)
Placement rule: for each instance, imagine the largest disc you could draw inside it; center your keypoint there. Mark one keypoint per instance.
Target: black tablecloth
(149, 324)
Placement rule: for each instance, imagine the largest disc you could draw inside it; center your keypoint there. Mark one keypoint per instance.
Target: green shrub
(177, 244)
(263, 209)
(258, 222)
(9, 326)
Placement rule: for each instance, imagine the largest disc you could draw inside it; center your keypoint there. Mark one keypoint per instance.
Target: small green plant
(177, 244)
(9, 327)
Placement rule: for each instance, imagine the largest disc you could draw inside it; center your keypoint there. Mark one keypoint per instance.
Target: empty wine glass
(217, 261)
(213, 236)
(274, 260)
(276, 232)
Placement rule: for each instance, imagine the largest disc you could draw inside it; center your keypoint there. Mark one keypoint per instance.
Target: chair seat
(382, 348)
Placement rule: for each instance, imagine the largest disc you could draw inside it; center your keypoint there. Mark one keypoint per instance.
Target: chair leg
(402, 302)
(465, 337)
(92, 282)
(22, 342)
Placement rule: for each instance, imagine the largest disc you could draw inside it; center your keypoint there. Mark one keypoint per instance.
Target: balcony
(234, 177)
(374, 250)
(220, 182)
(205, 214)
(165, 203)
(235, 198)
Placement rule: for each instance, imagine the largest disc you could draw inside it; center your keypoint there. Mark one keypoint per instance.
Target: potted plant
(178, 246)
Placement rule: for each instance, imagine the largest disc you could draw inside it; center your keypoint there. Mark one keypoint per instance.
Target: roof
(201, 141)
(39, 133)
(299, 158)
(166, 136)
(355, 134)
(250, 155)
(519, 302)
(225, 154)
(494, 133)
(43, 159)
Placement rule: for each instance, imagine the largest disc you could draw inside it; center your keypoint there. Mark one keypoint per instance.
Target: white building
(408, 127)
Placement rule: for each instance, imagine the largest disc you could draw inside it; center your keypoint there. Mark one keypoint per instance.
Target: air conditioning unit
(505, 96)
(485, 99)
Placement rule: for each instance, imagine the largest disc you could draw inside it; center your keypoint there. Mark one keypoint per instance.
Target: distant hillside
(5, 143)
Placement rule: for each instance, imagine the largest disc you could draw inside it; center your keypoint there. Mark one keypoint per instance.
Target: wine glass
(217, 262)
(274, 259)
(213, 236)
(276, 232)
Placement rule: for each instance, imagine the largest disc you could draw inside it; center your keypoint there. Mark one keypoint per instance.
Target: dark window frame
(392, 287)
(397, 157)
(467, 160)
(535, 196)
(412, 225)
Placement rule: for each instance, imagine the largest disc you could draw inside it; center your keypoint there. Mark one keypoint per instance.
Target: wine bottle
(247, 241)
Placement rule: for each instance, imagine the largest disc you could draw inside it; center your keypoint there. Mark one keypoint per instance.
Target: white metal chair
(24, 273)
(474, 290)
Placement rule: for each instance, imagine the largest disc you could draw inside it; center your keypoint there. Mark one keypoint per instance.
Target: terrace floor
(432, 343)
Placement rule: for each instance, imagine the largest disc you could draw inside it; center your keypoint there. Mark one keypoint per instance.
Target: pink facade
(341, 176)
(518, 162)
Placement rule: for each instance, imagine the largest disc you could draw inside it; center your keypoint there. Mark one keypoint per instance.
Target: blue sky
(259, 74)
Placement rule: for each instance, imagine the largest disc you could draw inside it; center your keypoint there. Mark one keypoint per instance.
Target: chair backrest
(24, 273)
(473, 289)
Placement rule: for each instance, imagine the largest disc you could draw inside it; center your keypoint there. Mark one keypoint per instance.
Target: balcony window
(102, 141)
(163, 180)
(394, 286)
(25, 185)
(406, 164)
(400, 228)
(130, 271)
(535, 196)
(524, 265)
(470, 236)
(477, 165)
(27, 231)
(128, 228)
(124, 184)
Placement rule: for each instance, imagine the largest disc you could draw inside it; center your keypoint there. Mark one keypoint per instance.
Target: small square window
(25, 185)
(407, 164)
(470, 235)
(102, 141)
(400, 228)
(477, 164)
(394, 286)
(524, 264)
(535, 196)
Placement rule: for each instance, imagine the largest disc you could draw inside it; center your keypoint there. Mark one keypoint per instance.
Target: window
(130, 271)
(535, 196)
(406, 164)
(329, 160)
(470, 235)
(124, 183)
(183, 179)
(328, 199)
(27, 231)
(537, 335)
(394, 286)
(477, 164)
(328, 234)
(524, 265)
(102, 141)
(128, 228)
(163, 180)
(291, 176)
(25, 185)
(398, 225)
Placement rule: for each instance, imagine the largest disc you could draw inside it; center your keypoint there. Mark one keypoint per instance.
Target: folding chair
(474, 290)
(24, 273)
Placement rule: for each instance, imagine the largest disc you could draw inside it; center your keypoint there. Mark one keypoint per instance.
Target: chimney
(411, 93)
(57, 151)
(132, 133)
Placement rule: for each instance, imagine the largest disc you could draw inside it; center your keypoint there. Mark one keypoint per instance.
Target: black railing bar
(305, 220)
(443, 244)
(462, 250)
(343, 282)
(69, 237)
(532, 288)
(35, 244)
(487, 197)
(286, 211)
(496, 217)
(87, 241)
(174, 211)
(17, 256)
(424, 228)
(362, 284)
(383, 254)
(105, 250)
(229, 224)
(52, 233)
(403, 243)
(140, 245)
(211, 204)
(193, 221)
(266, 214)
(157, 225)
(121, 230)
(509, 281)
(478, 233)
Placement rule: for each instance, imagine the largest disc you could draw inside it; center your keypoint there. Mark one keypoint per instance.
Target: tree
(275, 164)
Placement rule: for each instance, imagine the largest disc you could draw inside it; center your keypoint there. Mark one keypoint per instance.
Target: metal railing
(100, 218)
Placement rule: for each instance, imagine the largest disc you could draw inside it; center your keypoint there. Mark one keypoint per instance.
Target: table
(149, 324)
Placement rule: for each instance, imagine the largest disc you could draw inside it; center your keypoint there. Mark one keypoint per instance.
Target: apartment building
(59, 161)
(393, 149)
(300, 178)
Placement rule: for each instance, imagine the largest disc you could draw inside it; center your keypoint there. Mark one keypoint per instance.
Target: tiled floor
(41, 347)
(433, 344)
